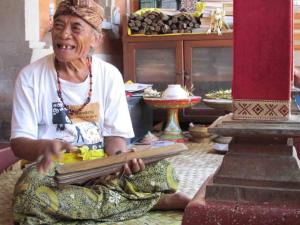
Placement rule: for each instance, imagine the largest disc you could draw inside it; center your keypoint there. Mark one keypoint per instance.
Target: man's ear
(97, 39)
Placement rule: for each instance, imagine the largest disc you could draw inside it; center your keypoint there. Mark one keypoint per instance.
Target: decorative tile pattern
(261, 109)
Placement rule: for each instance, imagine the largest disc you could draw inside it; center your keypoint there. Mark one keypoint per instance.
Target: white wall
(14, 54)
(297, 58)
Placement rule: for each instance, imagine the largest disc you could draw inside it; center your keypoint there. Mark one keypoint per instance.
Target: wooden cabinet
(207, 66)
(154, 62)
(198, 60)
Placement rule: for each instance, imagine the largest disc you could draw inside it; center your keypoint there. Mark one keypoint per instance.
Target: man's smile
(65, 46)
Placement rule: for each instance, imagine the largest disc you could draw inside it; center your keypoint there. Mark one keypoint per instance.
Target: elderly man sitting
(70, 99)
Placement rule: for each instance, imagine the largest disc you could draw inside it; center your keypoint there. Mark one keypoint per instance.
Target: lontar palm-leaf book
(80, 172)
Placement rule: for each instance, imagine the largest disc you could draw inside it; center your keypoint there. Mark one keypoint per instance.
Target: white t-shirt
(38, 112)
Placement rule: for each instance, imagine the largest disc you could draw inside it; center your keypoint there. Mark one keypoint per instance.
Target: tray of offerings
(220, 99)
(173, 103)
(173, 132)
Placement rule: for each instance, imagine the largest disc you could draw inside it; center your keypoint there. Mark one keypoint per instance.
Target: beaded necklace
(88, 99)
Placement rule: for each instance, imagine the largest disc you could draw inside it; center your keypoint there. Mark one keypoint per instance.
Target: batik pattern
(39, 200)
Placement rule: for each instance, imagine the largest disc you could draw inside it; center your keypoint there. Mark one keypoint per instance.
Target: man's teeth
(66, 47)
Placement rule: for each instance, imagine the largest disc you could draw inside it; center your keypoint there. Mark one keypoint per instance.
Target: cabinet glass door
(157, 63)
(208, 67)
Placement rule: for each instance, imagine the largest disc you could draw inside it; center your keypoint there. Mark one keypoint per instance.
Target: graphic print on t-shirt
(80, 128)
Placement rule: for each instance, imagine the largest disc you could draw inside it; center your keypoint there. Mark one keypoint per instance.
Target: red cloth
(263, 56)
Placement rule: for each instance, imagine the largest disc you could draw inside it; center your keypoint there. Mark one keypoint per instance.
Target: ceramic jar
(174, 91)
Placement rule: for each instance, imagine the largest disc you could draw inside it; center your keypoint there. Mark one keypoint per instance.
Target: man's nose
(66, 32)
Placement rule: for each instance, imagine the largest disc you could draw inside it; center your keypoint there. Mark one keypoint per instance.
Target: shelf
(201, 79)
(156, 79)
(179, 37)
(212, 78)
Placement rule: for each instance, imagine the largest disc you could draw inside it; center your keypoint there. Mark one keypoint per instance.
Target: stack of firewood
(153, 22)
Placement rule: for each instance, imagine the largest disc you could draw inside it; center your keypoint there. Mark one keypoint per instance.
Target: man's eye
(58, 26)
(77, 29)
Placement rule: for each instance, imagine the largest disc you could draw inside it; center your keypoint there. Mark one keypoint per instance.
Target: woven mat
(192, 167)
(8, 180)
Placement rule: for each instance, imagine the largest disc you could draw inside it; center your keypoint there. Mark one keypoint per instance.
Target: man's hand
(134, 166)
(117, 145)
(42, 150)
(49, 150)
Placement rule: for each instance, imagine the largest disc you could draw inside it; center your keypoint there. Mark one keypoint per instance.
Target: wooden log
(148, 21)
(165, 18)
(165, 29)
(174, 20)
(139, 18)
(174, 27)
(138, 23)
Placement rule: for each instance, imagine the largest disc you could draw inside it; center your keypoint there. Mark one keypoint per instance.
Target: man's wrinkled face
(72, 38)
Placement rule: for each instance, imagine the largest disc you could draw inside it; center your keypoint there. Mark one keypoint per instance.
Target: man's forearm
(114, 144)
(31, 150)
(25, 148)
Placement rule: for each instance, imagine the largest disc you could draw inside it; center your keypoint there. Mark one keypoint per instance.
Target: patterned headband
(88, 10)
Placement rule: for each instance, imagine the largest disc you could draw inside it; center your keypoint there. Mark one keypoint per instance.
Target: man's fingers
(53, 150)
(142, 164)
(135, 167)
(45, 163)
(127, 170)
(40, 166)
(68, 147)
(48, 162)
(56, 149)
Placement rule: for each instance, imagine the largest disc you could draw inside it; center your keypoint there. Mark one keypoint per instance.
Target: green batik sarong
(39, 200)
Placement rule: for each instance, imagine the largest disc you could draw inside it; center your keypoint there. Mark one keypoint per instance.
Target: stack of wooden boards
(80, 172)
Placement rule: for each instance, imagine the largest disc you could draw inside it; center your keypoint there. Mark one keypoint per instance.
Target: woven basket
(8, 179)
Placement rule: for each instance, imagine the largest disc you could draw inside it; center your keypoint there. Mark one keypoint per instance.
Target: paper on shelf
(133, 87)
